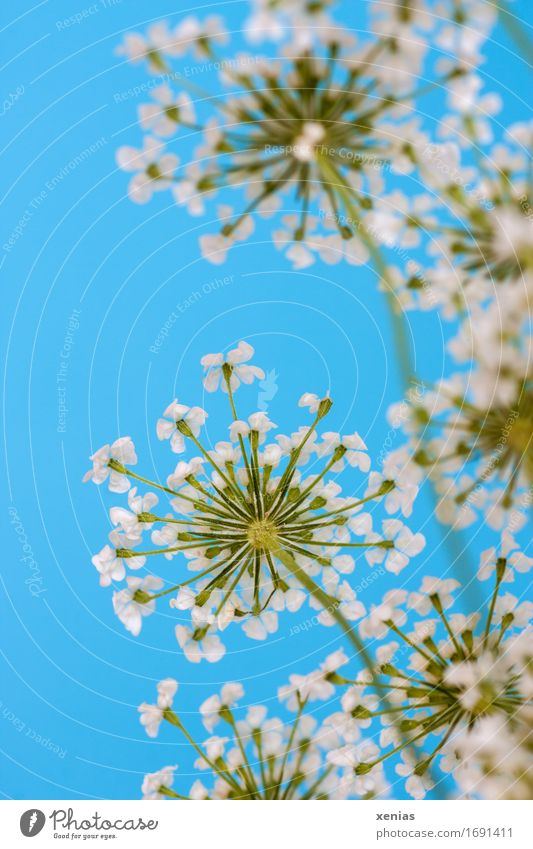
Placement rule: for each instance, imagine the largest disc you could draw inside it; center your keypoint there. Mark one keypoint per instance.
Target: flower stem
(516, 30)
(317, 592)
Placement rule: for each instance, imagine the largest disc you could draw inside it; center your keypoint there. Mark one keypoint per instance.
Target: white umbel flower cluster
(316, 125)
(250, 755)
(495, 760)
(261, 523)
(450, 678)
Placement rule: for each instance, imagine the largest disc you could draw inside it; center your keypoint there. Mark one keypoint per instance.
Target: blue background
(70, 672)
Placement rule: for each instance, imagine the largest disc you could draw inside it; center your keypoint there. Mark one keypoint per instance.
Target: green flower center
(507, 434)
(262, 534)
(153, 171)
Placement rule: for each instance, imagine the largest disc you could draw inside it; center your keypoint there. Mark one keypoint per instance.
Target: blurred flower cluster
(316, 125)
(472, 431)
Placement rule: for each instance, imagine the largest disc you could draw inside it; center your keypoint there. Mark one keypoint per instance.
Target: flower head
(477, 446)
(258, 521)
(257, 756)
(322, 122)
(448, 677)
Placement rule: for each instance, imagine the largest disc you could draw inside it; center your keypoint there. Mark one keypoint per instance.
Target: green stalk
(516, 30)
(402, 342)
(172, 718)
(453, 539)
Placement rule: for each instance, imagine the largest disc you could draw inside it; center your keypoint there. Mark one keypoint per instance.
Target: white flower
(298, 252)
(211, 707)
(311, 401)
(151, 718)
(167, 427)
(343, 563)
(184, 469)
(508, 604)
(315, 685)
(198, 791)
(154, 168)
(214, 747)
(236, 359)
(108, 561)
(291, 600)
(258, 423)
(157, 42)
(351, 756)
(443, 588)
(167, 113)
(152, 715)
(406, 544)
(390, 610)
(128, 520)
(209, 648)
(166, 690)
(259, 627)
(215, 246)
(355, 450)
(416, 785)
(406, 478)
(110, 567)
(153, 782)
(198, 36)
(131, 612)
(510, 553)
(187, 191)
(123, 452)
(348, 605)
(333, 248)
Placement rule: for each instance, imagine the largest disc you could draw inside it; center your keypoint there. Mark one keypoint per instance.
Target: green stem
(516, 30)
(166, 791)
(246, 768)
(301, 498)
(235, 489)
(171, 717)
(318, 593)
(501, 566)
(227, 378)
(286, 477)
(402, 341)
(301, 705)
